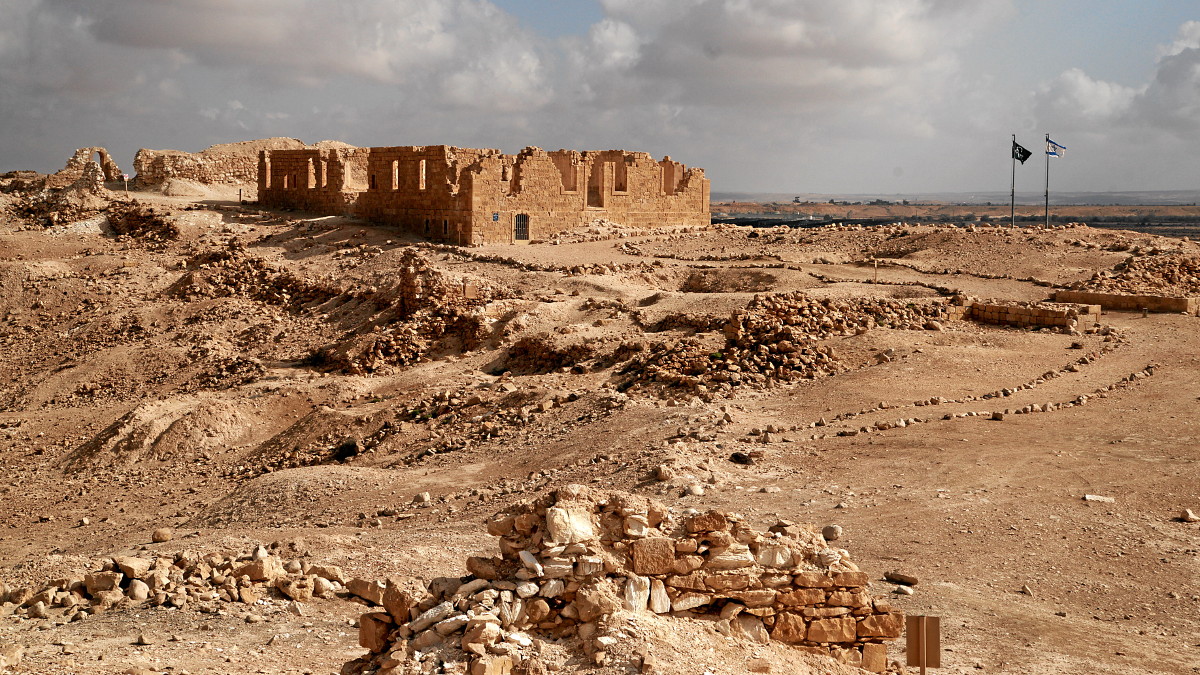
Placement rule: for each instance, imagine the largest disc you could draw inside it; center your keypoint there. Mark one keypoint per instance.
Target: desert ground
(344, 396)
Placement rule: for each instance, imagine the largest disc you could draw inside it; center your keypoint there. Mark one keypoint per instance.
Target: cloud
(1169, 102)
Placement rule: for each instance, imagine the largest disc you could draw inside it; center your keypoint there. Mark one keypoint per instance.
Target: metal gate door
(521, 227)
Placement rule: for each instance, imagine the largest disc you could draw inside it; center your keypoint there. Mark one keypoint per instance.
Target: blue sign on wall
(496, 217)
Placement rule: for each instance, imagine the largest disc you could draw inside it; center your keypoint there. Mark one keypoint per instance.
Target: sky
(804, 96)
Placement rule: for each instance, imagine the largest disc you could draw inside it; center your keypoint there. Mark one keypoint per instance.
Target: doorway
(521, 227)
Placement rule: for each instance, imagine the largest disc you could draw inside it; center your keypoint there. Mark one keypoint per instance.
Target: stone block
(802, 597)
(713, 521)
(874, 657)
(850, 579)
(789, 628)
(266, 569)
(881, 625)
(840, 629)
(812, 580)
(653, 555)
(369, 590)
(689, 600)
(373, 629)
(133, 567)
(569, 524)
(98, 582)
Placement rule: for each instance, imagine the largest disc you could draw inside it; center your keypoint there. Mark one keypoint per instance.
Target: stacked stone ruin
(573, 564)
(79, 166)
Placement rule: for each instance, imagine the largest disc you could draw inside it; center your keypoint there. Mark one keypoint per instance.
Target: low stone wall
(574, 563)
(1133, 303)
(1024, 314)
(1044, 314)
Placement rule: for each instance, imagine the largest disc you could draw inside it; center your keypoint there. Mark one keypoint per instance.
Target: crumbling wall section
(227, 163)
(421, 190)
(320, 180)
(79, 163)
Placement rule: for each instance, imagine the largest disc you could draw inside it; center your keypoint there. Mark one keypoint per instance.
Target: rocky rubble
(775, 339)
(577, 566)
(400, 318)
(185, 579)
(1170, 275)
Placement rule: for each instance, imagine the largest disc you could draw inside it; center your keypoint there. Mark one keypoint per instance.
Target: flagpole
(1047, 181)
(1012, 195)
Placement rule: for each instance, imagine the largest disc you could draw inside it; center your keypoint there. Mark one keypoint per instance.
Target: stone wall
(574, 564)
(476, 196)
(78, 164)
(1027, 314)
(1132, 303)
(227, 163)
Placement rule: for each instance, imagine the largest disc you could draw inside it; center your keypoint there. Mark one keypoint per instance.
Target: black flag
(1019, 153)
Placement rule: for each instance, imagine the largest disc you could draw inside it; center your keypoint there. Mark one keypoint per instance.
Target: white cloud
(1169, 102)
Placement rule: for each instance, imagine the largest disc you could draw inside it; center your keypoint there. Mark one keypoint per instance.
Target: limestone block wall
(1133, 303)
(320, 180)
(227, 163)
(1043, 314)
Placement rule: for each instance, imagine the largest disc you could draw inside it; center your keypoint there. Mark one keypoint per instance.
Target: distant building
(470, 196)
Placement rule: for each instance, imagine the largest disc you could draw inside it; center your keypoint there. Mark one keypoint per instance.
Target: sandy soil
(126, 407)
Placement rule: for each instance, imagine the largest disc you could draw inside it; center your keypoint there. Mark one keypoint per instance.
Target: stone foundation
(1132, 303)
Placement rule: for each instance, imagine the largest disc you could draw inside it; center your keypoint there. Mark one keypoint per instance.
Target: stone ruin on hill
(79, 166)
(577, 564)
(471, 196)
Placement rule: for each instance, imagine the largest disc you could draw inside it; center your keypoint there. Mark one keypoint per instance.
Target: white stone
(527, 589)
(774, 555)
(660, 602)
(637, 593)
(637, 526)
(552, 588)
(569, 525)
(531, 563)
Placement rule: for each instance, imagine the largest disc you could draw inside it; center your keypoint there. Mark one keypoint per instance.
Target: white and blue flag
(1054, 149)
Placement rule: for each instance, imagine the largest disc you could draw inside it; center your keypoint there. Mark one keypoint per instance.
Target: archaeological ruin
(475, 196)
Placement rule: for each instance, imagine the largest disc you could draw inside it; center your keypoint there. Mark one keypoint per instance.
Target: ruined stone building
(471, 196)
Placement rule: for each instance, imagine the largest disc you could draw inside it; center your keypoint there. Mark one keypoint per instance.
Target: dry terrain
(344, 396)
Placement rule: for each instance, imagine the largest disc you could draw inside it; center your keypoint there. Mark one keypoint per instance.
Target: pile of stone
(143, 222)
(577, 564)
(186, 579)
(775, 339)
(404, 316)
(1167, 275)
(796, 316)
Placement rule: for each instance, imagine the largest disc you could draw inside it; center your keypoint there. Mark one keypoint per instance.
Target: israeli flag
(1054, 149)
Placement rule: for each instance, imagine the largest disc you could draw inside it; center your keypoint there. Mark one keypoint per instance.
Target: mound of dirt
(172, 430)
(294, 497)
(182, 187)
